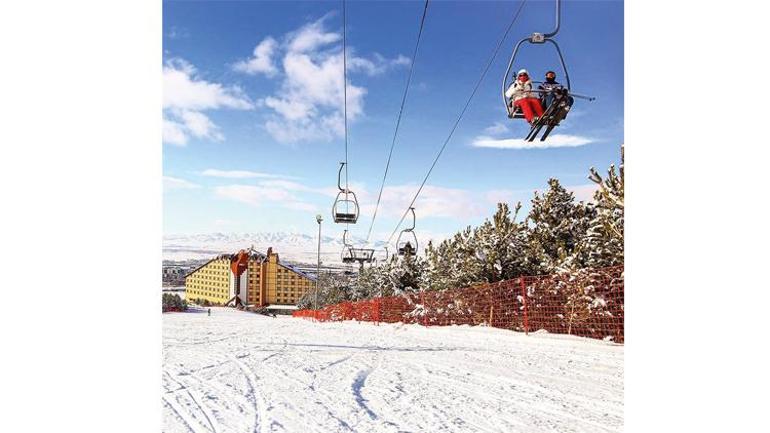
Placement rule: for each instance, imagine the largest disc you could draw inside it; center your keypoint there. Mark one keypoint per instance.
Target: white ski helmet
(522, 71)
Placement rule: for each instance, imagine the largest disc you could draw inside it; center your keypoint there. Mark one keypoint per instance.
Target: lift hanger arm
(558, 21)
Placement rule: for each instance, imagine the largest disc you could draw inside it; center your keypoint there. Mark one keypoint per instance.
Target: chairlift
(347, 249)
(563, 97)
(379, 259)
(406, 243)
(345, 209)
(350, 254)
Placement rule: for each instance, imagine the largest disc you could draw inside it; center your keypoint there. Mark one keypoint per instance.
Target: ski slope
(243, 372)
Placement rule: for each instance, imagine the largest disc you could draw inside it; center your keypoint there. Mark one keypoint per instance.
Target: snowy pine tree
(500, 245)
(557, 226)
(604, 240)
(407, 274)
(454, 262)
(332, 288)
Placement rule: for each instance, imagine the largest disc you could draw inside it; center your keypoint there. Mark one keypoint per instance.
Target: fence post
(424, 309)
(524, 296)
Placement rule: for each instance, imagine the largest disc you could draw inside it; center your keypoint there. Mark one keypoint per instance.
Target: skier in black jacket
(555, 90)
(551, 85)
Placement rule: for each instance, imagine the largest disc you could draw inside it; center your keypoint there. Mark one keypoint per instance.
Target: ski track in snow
(243, 372)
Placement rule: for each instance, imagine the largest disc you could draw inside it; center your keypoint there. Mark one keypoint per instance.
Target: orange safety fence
(586, 302)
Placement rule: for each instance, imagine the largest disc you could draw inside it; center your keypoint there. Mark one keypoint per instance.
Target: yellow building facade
(268, 281)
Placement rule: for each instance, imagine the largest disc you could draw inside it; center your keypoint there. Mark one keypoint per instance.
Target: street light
(318, 219)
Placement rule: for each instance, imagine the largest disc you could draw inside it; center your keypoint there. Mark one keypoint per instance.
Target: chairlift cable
(345, 87)
(398, 119)
(347, 217)
(345, 100)
(459, 118)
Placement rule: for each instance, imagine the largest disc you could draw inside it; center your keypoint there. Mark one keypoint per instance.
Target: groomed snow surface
(242, 372)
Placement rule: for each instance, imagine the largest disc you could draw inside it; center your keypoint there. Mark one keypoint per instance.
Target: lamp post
(318, 219)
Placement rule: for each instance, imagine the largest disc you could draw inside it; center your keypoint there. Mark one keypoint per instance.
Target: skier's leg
(525, 108)
(537, 107)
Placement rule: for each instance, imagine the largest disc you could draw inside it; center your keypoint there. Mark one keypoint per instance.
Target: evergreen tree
(500, 245)
(332, 289)
(604, 240)
(367, 283)
(172, 301)
(454, 263)
(407, 274)
(557, 225)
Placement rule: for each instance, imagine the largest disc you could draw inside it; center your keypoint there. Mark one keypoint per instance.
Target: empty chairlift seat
(345, 209)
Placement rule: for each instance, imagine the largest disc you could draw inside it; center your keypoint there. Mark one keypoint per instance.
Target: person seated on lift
(521, 95)
(552, 88)
(408, 248)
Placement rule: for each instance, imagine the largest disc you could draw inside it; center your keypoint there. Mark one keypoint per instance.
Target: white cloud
(254, 195)
(262, 60)
(223, 222)
(242, 174)
(199, 125)
(434, 201)
(173, 133)
(287, 185)
(260, 195)
(556, 140)
(401, 60)
(497, 129)
(178, 33)
(173, 183)
(300, 206)
(308, 104)
(583, 192)
(298, 187)
(186, 96)
(311, 37)
(182, 89)
(376, 66)
(281, 192)
(505, 196)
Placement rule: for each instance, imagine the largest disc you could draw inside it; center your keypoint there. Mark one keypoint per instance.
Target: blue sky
(252, 105)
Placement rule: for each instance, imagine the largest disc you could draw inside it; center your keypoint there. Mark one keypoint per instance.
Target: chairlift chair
(379, 259)
(350, 254)
(347, 254)
(347, 250)
(364, 255)
(345, 209)
(557, 110)
(407, 240)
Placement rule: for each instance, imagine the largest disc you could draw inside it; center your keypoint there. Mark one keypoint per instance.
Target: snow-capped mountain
(293, 247)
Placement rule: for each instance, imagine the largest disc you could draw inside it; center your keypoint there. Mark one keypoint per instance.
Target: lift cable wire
(345, 85)
(462, 113)
(398, 119)
(345, 100)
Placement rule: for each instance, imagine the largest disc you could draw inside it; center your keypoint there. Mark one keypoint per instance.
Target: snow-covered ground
(243, 372)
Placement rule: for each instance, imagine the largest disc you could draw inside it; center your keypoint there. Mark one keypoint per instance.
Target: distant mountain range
(292, 247)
